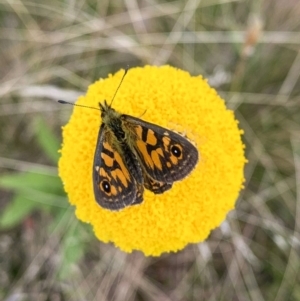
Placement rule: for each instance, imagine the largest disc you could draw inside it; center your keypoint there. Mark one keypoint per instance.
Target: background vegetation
(249, 51)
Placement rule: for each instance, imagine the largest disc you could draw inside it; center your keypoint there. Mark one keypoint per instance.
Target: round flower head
(173, 99)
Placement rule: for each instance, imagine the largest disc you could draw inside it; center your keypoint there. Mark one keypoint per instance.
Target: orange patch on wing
(174, 160)
(103, 173)
(113, 190)
(122, 165)
(145, 155)
(118, 174)
(139, 131)
(156, 159)
(109, 161)
(160, 151)
(107, 146)
(151, 139)
(166, 141)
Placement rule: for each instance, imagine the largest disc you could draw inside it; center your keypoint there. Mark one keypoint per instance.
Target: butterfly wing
(165, 155)
(156, 186)
(115, 185)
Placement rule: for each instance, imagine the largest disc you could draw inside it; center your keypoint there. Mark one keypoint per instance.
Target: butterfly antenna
(126, 70)
(142, 114)
(74, 104)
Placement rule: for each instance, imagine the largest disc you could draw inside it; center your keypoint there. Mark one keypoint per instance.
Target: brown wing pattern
(115, 185)
(165, 155)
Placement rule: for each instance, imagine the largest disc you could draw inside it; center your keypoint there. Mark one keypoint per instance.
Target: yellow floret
(194, 206)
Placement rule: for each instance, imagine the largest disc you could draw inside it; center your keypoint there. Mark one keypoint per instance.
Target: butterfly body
(132, 154)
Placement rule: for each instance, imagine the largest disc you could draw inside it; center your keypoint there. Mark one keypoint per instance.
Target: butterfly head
(108, 114)
(104, 107)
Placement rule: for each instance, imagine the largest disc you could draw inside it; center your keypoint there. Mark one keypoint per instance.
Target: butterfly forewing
(165, 155)
(115, 184)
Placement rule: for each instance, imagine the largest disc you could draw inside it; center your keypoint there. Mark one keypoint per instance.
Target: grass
(249, 50)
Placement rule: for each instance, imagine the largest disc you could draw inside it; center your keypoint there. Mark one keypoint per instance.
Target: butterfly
(132, 155)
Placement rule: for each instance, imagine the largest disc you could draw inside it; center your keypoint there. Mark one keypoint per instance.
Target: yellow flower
(194, 206)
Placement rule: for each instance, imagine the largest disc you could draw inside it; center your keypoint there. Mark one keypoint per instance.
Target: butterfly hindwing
(166, 156)
(156, 186)
(116, 185)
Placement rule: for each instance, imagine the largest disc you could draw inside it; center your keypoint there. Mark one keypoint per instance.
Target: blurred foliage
(33, 189)
(42, 191)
